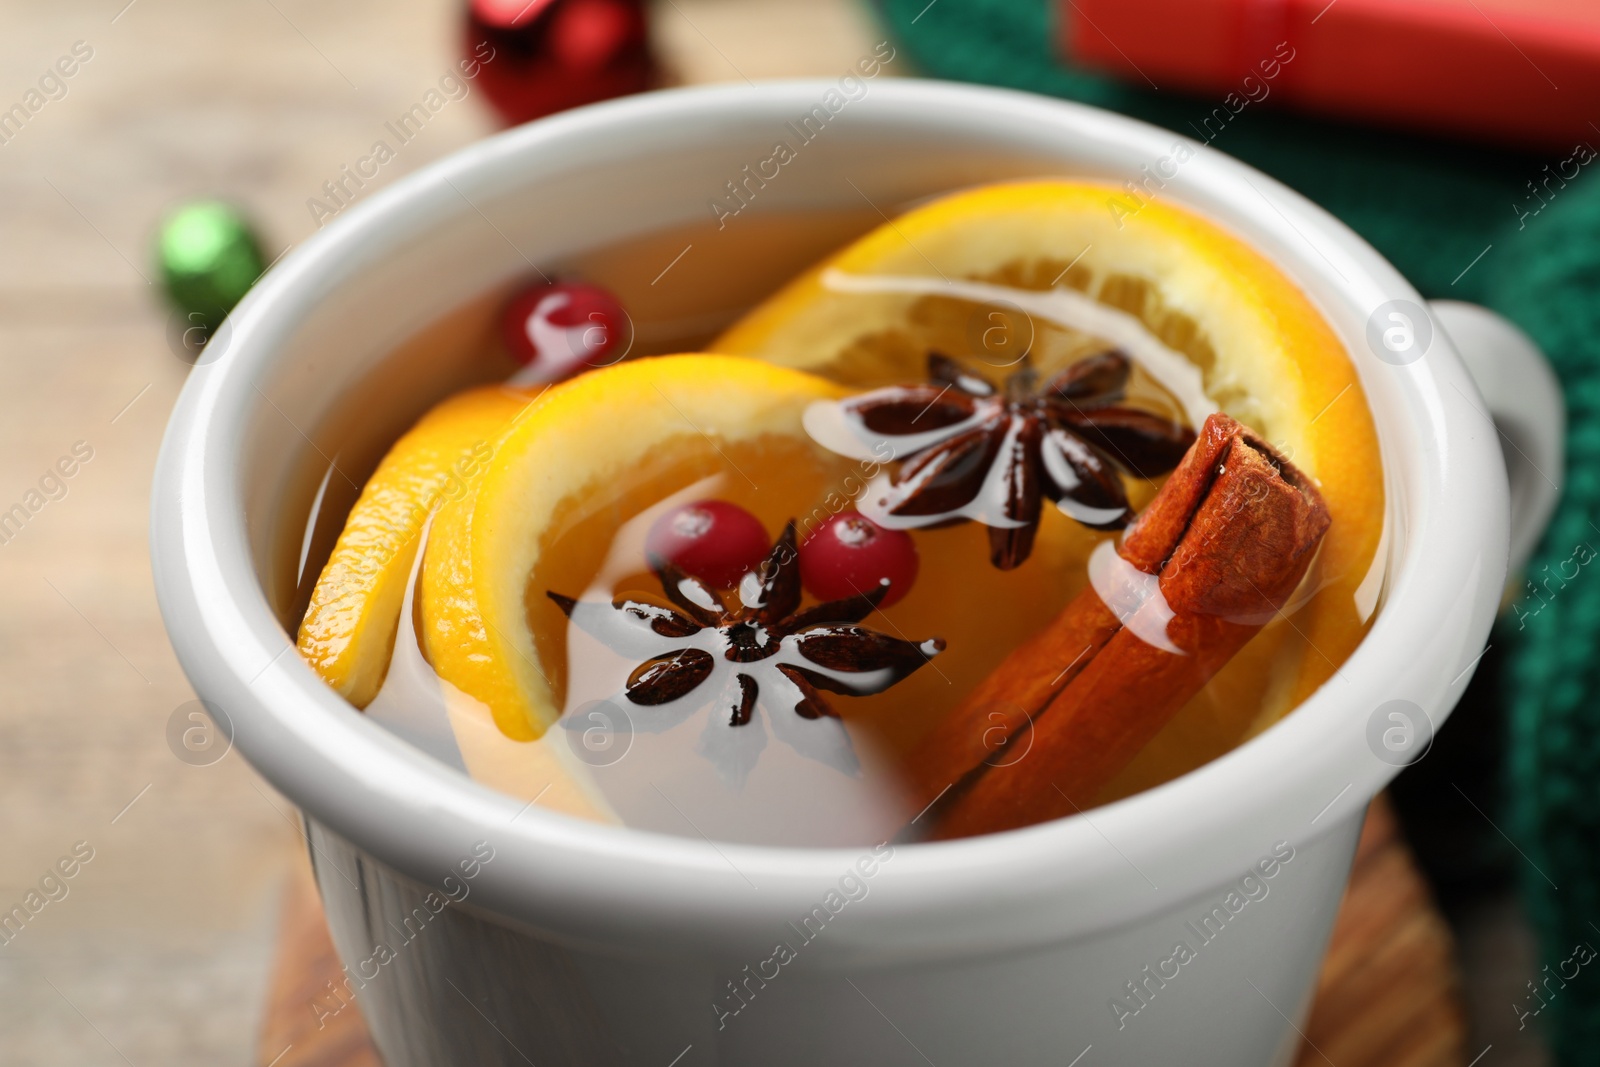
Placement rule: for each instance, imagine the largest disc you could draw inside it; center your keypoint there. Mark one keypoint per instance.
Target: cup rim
(583, 881)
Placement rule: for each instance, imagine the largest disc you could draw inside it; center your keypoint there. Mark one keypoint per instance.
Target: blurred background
(159, 947)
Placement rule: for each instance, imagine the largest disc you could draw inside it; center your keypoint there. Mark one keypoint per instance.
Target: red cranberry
(559, 330)
(715, 541)
(851, 554)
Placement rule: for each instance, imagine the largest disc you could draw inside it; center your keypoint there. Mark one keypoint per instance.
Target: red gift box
(1525, 72)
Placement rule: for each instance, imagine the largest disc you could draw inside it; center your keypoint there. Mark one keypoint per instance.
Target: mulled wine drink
(1005, 510)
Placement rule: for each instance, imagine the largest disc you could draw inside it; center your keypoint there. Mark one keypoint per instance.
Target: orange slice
(1047, 267)
(634, 422)
(348, 632)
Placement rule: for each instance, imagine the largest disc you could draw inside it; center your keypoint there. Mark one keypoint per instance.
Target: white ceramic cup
(573, 943)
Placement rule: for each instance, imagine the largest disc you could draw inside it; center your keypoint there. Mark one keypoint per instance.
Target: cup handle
(1524, 398)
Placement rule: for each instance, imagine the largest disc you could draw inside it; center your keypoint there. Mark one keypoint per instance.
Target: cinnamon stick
(1229, 538)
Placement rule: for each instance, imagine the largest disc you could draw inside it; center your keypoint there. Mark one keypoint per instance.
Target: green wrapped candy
(209, 258)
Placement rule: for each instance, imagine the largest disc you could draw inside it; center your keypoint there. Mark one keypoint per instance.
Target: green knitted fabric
(1549, 283)
(1430, 206)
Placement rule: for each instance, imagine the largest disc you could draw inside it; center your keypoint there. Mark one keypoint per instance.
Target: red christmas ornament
(712, 540)
(538, 57)
(559, 330)
(850, 554)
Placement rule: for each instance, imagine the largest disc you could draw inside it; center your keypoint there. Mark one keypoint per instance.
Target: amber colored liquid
(721, 276)
(980, 612)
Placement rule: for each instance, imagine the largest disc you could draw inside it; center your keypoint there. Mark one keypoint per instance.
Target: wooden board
(1387, 996)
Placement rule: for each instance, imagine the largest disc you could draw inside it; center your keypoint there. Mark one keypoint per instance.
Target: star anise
(763, 650)
(973, 451)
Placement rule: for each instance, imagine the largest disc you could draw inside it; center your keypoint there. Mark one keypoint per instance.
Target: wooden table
(1387, 996)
